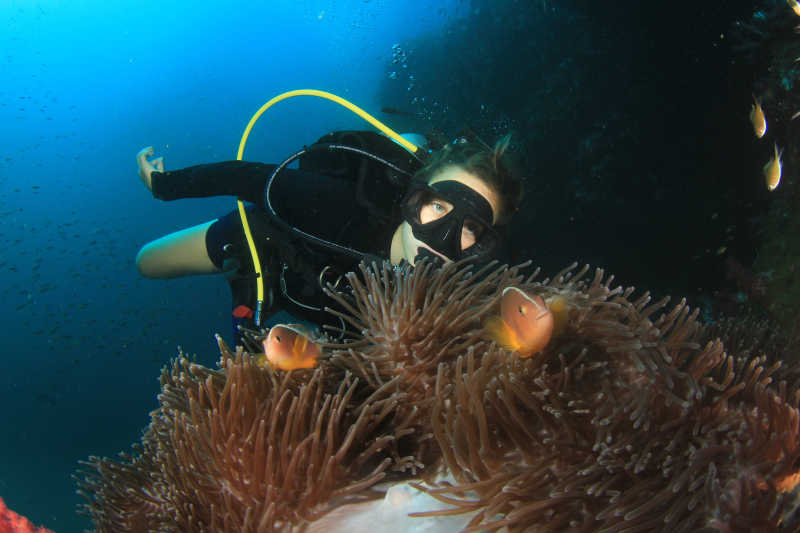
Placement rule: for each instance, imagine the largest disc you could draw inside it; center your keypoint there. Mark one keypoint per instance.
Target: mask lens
(444, 222)
(478, 237)
(418, 201)
(473, 229)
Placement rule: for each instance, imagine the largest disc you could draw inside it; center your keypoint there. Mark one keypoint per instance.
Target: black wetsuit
(338, 196)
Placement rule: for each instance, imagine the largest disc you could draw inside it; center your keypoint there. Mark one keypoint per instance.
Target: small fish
(289, 347)
(758, 119)
(525, 324)
(795, 6)
(772, 170)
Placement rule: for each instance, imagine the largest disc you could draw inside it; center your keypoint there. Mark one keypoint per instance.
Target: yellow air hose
(283, 96)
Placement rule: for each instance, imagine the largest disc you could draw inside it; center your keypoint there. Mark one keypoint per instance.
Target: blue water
(83, 86)
(630, 119)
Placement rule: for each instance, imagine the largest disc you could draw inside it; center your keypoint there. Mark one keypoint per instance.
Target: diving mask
(470, 213)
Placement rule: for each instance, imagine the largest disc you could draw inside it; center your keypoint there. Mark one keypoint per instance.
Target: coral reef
(777, 262)
(768, 48)
(11, 522)
(634, 418)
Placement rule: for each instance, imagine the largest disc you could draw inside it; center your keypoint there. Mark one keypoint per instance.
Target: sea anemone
(411, 322)
(631, 419)
(248, 449)
(626, 424)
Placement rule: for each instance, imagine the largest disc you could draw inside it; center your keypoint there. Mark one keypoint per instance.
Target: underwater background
(630, 120)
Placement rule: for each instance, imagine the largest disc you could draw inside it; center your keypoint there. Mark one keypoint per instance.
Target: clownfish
(772, 170)
(525, 324)
(758, 119)
(289, 347)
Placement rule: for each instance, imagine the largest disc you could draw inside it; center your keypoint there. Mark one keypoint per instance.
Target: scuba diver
(354, 196)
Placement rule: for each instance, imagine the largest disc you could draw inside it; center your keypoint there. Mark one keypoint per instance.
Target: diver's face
(437, 208)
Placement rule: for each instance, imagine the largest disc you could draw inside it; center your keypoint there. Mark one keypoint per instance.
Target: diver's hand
(146, 167)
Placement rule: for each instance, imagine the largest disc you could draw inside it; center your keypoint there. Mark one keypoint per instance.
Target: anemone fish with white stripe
(525, 324)
(289, 347)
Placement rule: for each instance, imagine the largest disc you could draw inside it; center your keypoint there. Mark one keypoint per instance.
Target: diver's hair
(490, 163)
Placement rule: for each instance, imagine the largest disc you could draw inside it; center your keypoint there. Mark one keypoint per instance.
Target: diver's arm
(181, 253)
(229, 178)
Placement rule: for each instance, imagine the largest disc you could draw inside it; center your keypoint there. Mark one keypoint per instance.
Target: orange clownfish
(525, 324)
(758, 119)
(289, 347)
(772, 170)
